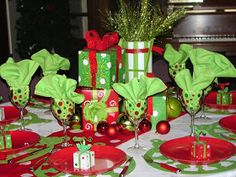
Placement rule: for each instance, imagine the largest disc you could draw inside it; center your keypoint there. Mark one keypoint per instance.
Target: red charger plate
(229, 123)
(179, 149)
(21, 140)
(12, 114)
(210, 101)
(106, 159)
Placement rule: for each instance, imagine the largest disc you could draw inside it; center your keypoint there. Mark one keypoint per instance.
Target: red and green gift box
(99, 105)
(200, 150)
(224, 97)
(100, 64)
(5, 141)
(156, 109)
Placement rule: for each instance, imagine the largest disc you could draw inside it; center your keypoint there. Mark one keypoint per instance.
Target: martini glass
(136, 113)
(63, 110)
(19, 97)
(192, 101)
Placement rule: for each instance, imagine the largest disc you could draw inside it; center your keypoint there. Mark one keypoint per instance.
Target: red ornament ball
(145, 125)
(112, 131)
(163, 127)
(101, 127)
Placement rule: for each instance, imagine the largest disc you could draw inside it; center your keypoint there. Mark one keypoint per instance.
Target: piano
(209, 24)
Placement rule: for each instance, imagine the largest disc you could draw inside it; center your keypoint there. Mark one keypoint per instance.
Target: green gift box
(5, 141)
(156, 109)
(100, 69)
(224, 97)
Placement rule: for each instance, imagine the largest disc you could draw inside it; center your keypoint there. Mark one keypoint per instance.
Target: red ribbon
(95, 43)
(145, 50)
(158, 50)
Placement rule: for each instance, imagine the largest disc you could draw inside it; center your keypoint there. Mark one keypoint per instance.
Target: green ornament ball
(174, 107)
(75, 122)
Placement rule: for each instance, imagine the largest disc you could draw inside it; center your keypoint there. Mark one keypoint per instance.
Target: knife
(126, 166)
(163, 165)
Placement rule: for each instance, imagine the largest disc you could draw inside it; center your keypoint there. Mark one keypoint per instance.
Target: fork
(163, 165)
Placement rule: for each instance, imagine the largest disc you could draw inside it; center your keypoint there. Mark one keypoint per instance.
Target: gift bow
(95, 42)
(225, 90)
(223, 85)
(83, 147)
(96, 111)
(198, 132)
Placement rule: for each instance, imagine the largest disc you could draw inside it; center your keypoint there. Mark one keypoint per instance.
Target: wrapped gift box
(137, 58)
(83, 160)
(103, 102)
(5, 141)
(156, 109)
(224, 97)
(200, 150)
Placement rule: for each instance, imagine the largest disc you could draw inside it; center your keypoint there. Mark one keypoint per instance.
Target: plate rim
(221, 123)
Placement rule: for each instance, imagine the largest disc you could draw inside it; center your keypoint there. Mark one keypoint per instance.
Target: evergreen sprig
(141, 22)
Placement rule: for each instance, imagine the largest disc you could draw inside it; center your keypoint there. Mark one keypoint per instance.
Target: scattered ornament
(145, 125)
(112, 131)
(163, 127)
(125, 125)
(75, 122)
(174, 107)
(101, 127)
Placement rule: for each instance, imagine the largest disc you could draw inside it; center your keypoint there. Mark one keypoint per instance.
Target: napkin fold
(136, 90)
(50, 63)
(58, 86)
(173, 56)
(211, 63)
(18, 74)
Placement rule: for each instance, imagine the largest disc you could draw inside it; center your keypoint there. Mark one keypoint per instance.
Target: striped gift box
(137, 58)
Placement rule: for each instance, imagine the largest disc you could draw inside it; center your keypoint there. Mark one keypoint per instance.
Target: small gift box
(224, 97)
(5, 141)
(200, 150)
(99, 105)
(100, 64)
(156, 109)
(84, 158)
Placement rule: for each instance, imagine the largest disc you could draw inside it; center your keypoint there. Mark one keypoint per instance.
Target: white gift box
(83, 160)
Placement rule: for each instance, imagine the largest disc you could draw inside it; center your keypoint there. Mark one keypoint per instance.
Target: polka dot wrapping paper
(99, 69)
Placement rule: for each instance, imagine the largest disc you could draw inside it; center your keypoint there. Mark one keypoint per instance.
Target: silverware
(163, 165)
(227, 137)
(126, 166)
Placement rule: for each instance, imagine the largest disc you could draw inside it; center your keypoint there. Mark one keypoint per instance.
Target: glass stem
(136, 123)
(64, 132)
(192, 124)
(22, 119)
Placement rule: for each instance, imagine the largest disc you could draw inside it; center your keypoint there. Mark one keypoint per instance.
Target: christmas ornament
(112, 131)
(125, 125)
(145, 126)
(174, 107)
(75, 122)
(163, 127)
(101, 127)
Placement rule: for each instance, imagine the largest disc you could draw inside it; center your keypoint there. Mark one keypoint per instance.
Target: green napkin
(211, 63)
(19, 73)
(192, 87)
(173, 56)
(58, 86)
(50, 63)
(136, 89)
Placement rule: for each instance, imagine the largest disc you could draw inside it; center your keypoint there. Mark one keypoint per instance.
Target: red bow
(96, 43)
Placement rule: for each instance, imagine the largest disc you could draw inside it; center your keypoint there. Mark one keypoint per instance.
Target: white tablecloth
(179, 128)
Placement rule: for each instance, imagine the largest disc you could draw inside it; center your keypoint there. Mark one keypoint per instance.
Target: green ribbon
(226, 89)
(83, 147)
(198, 132)
(97, 111)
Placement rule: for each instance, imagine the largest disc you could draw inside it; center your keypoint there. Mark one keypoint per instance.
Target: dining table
(41, 121)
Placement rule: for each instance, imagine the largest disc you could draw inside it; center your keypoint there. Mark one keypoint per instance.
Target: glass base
(137, 149)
